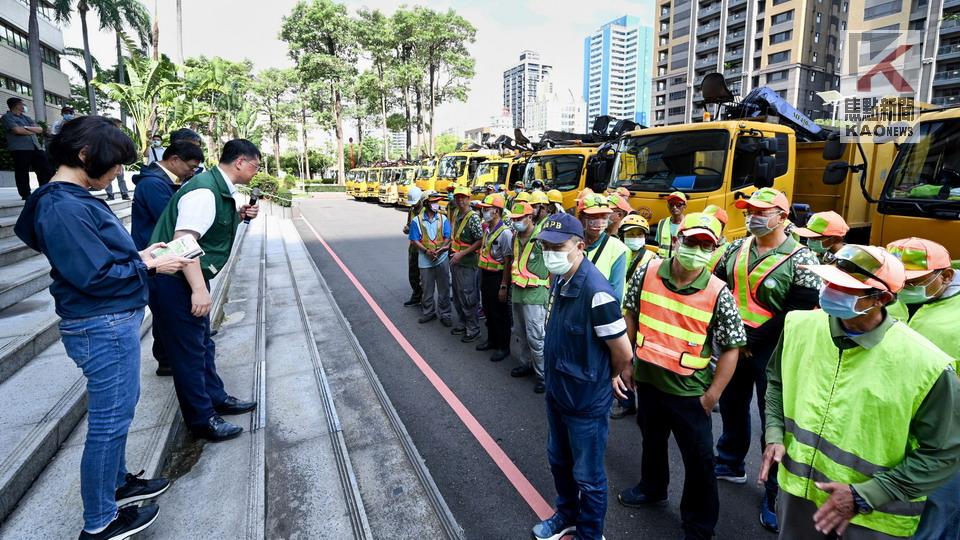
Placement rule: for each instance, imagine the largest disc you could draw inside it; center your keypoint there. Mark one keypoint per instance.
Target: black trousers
(23, 161)
(413, 272)
(156, 328)
(497, 313)
(660, 414)
(190, 350)
(124, 192)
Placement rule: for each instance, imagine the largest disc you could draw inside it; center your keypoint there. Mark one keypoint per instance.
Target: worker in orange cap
(824, 232)
(667, 227)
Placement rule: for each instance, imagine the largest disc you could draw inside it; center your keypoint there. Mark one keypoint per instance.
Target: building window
(18, 40)
(813, 57)
(818, 17)
(816, 37)
(810, 95)
(813, 76)
(777, 76)
(780, 18)
(777, 58)
(884, 8)
(780, 37)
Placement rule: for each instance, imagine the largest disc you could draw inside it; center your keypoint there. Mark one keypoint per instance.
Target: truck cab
(568, 169)
(370, 187)
(457, 168)
(711, 162)
(405, 179)
(502, 171)
(427, 175)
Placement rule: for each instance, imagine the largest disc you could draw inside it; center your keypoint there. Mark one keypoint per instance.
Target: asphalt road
(369, 240)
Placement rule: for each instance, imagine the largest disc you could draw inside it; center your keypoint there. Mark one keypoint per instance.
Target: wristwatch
(862, 506)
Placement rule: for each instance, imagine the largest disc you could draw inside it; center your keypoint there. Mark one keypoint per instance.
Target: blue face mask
(840, 304)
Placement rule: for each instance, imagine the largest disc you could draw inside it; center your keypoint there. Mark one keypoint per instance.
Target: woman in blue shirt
(100, 290)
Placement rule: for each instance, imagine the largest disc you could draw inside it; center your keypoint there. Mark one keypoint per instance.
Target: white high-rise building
(617, 67)
(520, 85)
(554, 110)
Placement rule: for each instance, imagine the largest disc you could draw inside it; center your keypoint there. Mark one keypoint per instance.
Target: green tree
(323, 44)
(272, 89)
(447, 142)
(375, 35)
(406, 72)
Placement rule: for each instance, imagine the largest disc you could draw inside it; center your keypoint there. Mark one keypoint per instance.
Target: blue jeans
(941, 514)
(575, 448)
(107, 349)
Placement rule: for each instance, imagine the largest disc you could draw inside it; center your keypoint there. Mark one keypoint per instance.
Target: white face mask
(597, 223)
(488, 215)
(435, 207)
(636, 243)
(557, 262)
(26, 109)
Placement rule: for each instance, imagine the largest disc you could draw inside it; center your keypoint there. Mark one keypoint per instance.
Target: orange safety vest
(519, 274)
(431, 243)
(487, 262)
(746, 282)
(457, 245)
(672, 327)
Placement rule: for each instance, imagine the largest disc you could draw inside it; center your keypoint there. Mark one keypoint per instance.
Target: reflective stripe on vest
(717, 256)
(431, 243)
(824, 388)
(520, 275)
(487, 262)
(746, 282)
(936, 321)
(457, 245)
(672, 327)
(664, 238)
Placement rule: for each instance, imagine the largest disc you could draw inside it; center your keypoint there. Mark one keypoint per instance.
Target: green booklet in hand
(185, 246)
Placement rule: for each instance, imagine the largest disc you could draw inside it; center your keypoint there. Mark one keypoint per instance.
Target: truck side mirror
(472, 169)
(833, 150)
(598, 174)
(764, 171)
(768, 146)
(835, 173)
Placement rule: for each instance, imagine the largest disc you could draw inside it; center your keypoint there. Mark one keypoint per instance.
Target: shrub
(324, 189)
(283, 198)
(266, 183)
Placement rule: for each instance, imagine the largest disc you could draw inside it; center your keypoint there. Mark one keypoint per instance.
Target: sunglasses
(859, 263)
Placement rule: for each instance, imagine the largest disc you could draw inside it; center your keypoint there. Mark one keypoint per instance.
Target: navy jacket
(96, 268)
(154, 191)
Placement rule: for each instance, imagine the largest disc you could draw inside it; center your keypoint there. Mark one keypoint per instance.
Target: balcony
(735, 37)
(947, 77)
(734, 18)
(736, 3)
(710, 10)
(708, 45)
(708, 61)
(948, 52)
(946, 100)
(709, 28)
(947, 4)
(733, 73)
(733, 56)
(949, 26)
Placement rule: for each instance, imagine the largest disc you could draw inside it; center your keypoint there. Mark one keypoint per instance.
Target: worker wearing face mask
(930, 304)
(465, 244)
(430, 234)
(766, 273)
(530, 290)
(824, 233)
(619, 208)
(677, 312)
(496, 249)
(606, 252)
(541, 207)
(633, 234)
(862, 411)
(667, 227)
(721, 251)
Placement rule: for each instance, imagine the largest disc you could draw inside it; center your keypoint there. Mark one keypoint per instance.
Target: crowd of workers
(103, 277)
(852, 351)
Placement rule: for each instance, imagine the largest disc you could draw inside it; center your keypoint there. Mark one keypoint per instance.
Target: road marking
(520, 482)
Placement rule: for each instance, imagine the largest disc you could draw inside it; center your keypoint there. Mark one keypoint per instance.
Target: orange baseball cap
(919, 256)
(863, 267)
(718, 213)
(824, 224)
(677, 195)
(595, 204)
(765, 198)
(617, 200)
(520, 210)
(494, 200)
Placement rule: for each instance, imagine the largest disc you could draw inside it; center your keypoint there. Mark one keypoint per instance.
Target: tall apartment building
(15, 65)
(554, 110)
(937, 27)
(791, 46)
(617, 62)
(520, 85)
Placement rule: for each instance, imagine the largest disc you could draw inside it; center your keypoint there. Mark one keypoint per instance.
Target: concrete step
(23, 279)
(399, 494)
(13, 250)
(39, 407)
(11, 207)
(51, 507)
(27, 328)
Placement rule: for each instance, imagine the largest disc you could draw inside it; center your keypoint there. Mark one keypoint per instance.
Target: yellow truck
(569, 169)
(406, 176)
(368, 189)
(457, 168)
(427, 174)
(502, 171)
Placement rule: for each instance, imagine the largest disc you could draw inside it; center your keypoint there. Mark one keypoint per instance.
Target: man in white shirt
(205, 209)
(155, 151)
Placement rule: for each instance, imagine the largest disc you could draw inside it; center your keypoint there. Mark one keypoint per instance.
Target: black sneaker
(164, 371)
(129, 521)
(138, 489)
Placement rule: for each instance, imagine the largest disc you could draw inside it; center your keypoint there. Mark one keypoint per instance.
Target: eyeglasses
(256, 164)
(765, 212)
(705, 244)
(860, 264)
(927, 280)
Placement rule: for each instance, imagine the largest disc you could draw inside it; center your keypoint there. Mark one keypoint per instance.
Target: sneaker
(553, 528)
(619, 411)
(539, 387)
(728, 474)
(468, 338)
(521, 371)
(129, 521)
(412, 302)
(768, 514)
(635, 498)
(459, 331)
(138, 489)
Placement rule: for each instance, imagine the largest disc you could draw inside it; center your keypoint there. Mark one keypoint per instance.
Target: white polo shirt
(197, 210)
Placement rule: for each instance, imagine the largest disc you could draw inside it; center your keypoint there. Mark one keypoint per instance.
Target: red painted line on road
(506, 465)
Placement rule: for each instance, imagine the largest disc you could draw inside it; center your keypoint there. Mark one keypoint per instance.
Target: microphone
(254, 196)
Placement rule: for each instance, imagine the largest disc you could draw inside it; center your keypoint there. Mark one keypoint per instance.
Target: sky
(238, 29)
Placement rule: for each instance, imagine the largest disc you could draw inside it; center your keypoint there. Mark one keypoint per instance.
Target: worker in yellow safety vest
(530, 291)
(496, 249)
(556, 201)
(766, 273)
(825, 232)
(430, 234)
(620, 208)
(465, 242)
(667, 227)
(606, 252)
(721, 250)
(677, 313)
(541, 208)
(930, 304)
(863, 412)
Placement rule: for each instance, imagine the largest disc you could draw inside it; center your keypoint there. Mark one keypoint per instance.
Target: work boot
(426, 319)
(446, 322)
(485, 346)
(164, 370)
(521, 371)
(500, 355)
(468, 338)
(768, 513)
(540, 387)
(459, 331)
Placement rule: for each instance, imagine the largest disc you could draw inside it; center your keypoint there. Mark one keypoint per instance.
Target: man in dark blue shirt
(584, 348)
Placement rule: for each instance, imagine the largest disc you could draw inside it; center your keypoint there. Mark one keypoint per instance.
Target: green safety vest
(847, 414)
(606, 254)
(664, 238)
(218, 240)
(936, 321)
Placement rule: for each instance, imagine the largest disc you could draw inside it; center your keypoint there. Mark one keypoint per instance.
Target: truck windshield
(426, 170)
(490, 173)
(406, 175)
(452, 166)
(560, 171)
(681, 161)
(925, 177)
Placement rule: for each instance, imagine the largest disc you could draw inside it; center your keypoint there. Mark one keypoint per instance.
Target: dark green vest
(218, 240)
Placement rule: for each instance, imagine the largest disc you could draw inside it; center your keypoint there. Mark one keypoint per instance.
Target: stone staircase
(324, 456)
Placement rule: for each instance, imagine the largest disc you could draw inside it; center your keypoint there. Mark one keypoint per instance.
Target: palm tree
(36, 64)
(179, 32)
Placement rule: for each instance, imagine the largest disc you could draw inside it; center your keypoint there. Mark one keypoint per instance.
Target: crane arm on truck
(763, 100)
